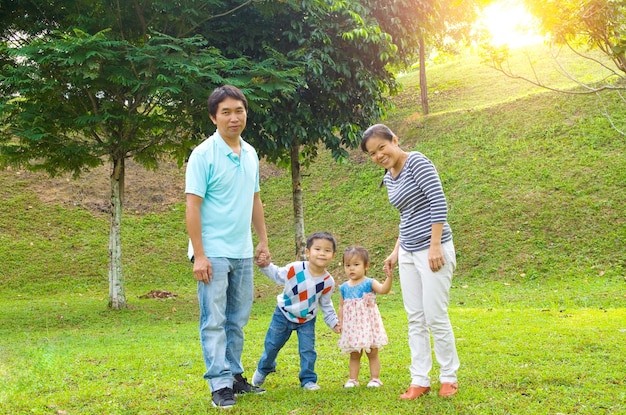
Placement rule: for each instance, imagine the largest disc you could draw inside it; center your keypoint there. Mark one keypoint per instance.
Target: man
(222, 196)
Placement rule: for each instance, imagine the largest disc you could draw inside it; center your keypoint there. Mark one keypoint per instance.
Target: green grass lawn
(68, 354)
(536, 184)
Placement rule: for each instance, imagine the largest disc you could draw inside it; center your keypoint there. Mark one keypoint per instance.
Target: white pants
(426, 296)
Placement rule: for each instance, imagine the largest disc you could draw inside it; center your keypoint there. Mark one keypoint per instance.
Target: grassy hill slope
(535, 180)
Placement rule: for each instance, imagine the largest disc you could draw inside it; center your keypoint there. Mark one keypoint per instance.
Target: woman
(425, 255)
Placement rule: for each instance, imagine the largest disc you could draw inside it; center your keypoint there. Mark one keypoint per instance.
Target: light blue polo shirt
(226, 183)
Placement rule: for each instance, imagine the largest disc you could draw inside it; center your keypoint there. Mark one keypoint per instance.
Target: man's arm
(202, 269)
(258, 222)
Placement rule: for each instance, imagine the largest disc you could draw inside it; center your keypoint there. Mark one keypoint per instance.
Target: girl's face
(383, 152)
(355, 268)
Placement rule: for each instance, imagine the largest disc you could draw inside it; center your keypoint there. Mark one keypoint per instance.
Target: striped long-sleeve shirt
(418, 195)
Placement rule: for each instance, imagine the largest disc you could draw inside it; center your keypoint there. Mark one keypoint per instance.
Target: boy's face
(320, 253)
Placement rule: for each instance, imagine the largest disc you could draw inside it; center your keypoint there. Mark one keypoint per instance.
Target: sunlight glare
(510, 23)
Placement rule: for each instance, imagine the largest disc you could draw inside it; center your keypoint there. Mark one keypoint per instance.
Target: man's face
(230, 119)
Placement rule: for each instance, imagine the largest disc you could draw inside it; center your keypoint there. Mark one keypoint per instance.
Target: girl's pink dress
(362, 326)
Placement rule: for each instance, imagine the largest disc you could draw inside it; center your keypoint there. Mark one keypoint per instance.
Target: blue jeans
(225, 304)
(277, 335)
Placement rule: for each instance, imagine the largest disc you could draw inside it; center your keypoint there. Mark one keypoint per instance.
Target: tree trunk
(423, 86)
(117, 299)
(298, 208)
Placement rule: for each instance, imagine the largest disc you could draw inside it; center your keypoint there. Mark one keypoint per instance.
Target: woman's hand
(435, 257)
(390, 263)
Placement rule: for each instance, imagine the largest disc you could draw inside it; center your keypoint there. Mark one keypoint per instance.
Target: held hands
(262, 260)
(337, 328)
(262, 255)
(390, 264)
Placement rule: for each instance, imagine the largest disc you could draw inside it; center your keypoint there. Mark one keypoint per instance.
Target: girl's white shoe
(351, 383)
(374, 383)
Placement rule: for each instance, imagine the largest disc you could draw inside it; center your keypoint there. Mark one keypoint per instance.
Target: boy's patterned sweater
(303, 294)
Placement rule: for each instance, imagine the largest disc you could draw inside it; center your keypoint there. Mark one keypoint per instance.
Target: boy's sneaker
(223, 398)
(311, 386)
(241, 386)
(258, 378)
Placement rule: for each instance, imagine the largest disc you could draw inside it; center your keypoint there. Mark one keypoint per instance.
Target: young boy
(308, 288)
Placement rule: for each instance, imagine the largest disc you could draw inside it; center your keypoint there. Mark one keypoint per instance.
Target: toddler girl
(362, 326)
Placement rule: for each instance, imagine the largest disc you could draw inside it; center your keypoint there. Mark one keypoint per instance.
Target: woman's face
(382, 151)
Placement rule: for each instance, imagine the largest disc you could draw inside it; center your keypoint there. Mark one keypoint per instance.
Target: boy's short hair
(321, 235)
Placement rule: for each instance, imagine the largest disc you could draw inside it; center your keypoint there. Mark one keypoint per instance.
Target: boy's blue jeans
(225, 304)
(277, 335)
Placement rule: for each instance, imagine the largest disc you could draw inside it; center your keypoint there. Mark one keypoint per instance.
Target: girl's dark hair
(378, 130)
(321, 235)
(356, 251)
(221, 93)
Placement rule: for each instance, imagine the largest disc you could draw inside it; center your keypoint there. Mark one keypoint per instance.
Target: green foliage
(80, 100)
(79, 97)
(342, 53)
(128, 80)
(93, 81)
(344, 49)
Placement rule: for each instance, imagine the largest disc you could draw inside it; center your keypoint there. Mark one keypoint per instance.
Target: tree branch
(604, 111)
(226, 13)
(606, 86)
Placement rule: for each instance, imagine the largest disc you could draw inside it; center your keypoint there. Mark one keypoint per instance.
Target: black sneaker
(223, 398)
(241, 386)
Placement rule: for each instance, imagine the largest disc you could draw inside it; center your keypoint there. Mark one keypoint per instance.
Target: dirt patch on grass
(147, 191)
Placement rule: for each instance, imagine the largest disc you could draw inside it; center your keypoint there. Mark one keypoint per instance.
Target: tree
(346, 50)
(83, 82)
(582, 26)
(441, 25)
(344, 54)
